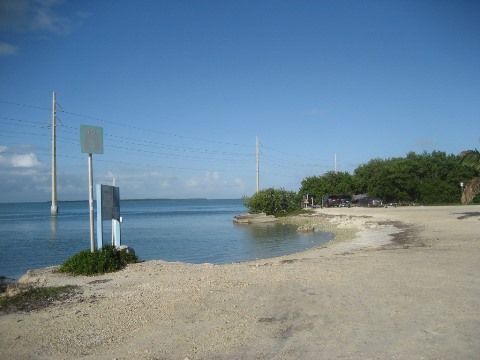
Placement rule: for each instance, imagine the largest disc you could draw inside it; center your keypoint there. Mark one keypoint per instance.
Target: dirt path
(417, 297)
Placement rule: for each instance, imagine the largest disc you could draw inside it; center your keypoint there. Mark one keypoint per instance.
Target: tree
(471, 158)
(273, 201)
(428, 178)
(337, 183)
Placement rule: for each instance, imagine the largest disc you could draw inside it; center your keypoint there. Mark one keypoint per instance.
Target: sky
(182, 89)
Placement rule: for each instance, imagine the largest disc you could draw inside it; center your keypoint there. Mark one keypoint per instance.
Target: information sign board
(110, 200)
(108, 208)
(91, 139)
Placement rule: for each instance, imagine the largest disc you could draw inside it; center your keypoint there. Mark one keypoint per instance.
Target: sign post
(108, 208)
(91, 142)
(90, 202)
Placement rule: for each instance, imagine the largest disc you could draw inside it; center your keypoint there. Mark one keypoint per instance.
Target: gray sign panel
(91, 139)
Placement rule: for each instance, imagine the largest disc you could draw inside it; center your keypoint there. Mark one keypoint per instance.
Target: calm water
(193, 231)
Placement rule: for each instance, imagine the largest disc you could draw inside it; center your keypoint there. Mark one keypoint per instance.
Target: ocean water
(193, 231)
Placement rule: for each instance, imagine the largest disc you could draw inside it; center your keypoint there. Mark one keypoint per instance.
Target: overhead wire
(278, 162)
(113, 161)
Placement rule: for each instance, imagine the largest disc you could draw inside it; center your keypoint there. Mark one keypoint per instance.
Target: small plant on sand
(101, 261)
(28, 298)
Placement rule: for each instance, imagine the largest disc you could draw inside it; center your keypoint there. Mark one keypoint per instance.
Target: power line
(154, 131)
(75, 141)
(8, 120)
(151, 152)
(266, 157)
(262, 146)
(114, 161)
(127, 126)
(24, 105)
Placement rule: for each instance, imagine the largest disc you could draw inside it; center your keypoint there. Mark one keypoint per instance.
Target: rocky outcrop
(125, 249)
(254, 218)
(306, 228)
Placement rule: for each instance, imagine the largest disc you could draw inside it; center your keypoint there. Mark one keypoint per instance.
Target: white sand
(362, 297)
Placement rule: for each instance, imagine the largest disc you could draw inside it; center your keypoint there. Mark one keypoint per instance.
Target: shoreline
(345, 228)
(401, 282)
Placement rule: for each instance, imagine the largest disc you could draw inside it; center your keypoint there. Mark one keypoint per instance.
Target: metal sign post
(91, 142)
(90, 202)
(108, 208)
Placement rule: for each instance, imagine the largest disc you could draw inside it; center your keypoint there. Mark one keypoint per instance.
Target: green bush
(273, 202)
(101, 261)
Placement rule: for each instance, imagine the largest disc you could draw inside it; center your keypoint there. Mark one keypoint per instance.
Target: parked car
(370, 201)
(345, 201)
(330, 201)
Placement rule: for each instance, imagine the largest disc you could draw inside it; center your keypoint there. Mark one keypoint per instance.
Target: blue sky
(182, 88)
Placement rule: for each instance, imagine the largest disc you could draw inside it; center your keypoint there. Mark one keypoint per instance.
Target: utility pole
(335, 163)
(258, 169)
(54, 208)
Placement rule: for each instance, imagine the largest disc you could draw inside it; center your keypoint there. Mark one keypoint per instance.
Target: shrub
(101, 261)
(273, 202)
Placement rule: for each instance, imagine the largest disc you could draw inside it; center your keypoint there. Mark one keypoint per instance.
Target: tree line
(428, 179)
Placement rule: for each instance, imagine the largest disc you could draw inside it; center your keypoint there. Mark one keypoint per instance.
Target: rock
(306, 228)
(254, 218)
(125, 249)
(37, 276)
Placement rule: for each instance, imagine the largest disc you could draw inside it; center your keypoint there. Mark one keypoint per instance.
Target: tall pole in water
(258, 170)
(54, 208)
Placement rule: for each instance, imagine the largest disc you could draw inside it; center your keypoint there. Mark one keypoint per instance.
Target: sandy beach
(396, 283)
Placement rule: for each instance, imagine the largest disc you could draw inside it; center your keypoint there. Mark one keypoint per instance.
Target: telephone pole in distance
(54, 208)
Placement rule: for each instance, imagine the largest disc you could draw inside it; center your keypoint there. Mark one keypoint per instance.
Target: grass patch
(33, 298)
(101, 261)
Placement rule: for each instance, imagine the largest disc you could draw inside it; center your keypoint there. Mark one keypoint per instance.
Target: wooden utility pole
(258, 169)
(54, 208)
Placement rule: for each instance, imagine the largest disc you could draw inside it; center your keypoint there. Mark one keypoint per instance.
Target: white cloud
(7, 49)
(23, 177)
(209, 179)
(43, 16)
(25, 160)
(138, 185)
(13, 162)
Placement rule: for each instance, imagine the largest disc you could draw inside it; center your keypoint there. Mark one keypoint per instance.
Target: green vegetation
(471, 158)
(330, 183)
(101, 261)
(34, 298)
(273, 202)
(427, 179)
(16, 297)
